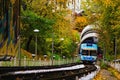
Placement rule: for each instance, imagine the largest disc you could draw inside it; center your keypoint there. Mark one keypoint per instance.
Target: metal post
(74, 6)
(36, 46)
(104, 48)
(115, 48)
(61, 48)
(19, 52)
(115, 43)
(76, 78)
(36, 31)
(52, 47)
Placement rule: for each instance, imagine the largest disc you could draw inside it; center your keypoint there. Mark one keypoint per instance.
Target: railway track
(63, 72)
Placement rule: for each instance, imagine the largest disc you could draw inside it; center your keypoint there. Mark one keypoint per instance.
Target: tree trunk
(28, 43)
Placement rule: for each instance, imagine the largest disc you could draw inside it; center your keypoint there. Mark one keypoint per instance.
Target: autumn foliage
(80, 22)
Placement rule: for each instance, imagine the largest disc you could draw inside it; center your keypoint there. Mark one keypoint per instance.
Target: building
(74, 5)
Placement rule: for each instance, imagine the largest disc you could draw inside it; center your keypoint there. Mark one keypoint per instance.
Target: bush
(103, 65)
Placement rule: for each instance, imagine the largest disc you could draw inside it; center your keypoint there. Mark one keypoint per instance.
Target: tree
(52, 24)
(31, 21)
(106, 15)
(80, 22)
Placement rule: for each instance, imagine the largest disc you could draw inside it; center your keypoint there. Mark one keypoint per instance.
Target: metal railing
(33, 62)
(116, 65)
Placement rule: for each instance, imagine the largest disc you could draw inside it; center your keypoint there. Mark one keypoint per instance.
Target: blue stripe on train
(88, 58)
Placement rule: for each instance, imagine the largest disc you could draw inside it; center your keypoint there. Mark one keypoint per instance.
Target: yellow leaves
(107, 3)
(74, 35)
(62, 27)
(98, 77)
(43, 8)
(37, 4)
(95, 0)
(80, 22)
(103, 76)
(13, 1)
(61, 0)
(74, 32)
(68, 17)
(115, 72)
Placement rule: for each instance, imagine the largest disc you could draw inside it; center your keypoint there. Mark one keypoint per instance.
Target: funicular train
(88, 48)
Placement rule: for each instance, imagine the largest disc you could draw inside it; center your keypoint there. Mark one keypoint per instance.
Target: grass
(103, 65)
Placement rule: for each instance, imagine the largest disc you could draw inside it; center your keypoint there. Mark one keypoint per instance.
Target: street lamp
(33, 55)
(45, 56)
(61, 39)
(52, 47)
(65, 61)
(36, 31)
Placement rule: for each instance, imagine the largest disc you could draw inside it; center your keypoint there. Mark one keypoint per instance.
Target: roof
(95, 35)
(87, 28)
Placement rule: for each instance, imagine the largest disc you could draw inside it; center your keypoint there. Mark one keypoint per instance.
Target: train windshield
(84, 52)
(93, 53)
(89, 52)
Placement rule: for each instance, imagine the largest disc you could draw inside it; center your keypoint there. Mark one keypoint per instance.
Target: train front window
(93, 53)
(84, 52)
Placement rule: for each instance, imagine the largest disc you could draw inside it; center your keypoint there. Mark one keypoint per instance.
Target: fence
(116, 65)
(33, 62)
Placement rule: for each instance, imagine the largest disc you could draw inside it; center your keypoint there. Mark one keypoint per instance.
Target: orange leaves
(80, 22)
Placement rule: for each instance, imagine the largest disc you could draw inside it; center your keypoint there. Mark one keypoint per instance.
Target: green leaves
(108, 21)
(52, 26)
(30, 21)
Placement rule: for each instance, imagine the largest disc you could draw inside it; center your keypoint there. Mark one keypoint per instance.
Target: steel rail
(67, 74)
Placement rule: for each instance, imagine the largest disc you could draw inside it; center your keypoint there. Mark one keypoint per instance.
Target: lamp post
(61, 48)
(36, 31)
(115, 49)
(65, 61)
(19, 50)
(52, 47)
(45, 56)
